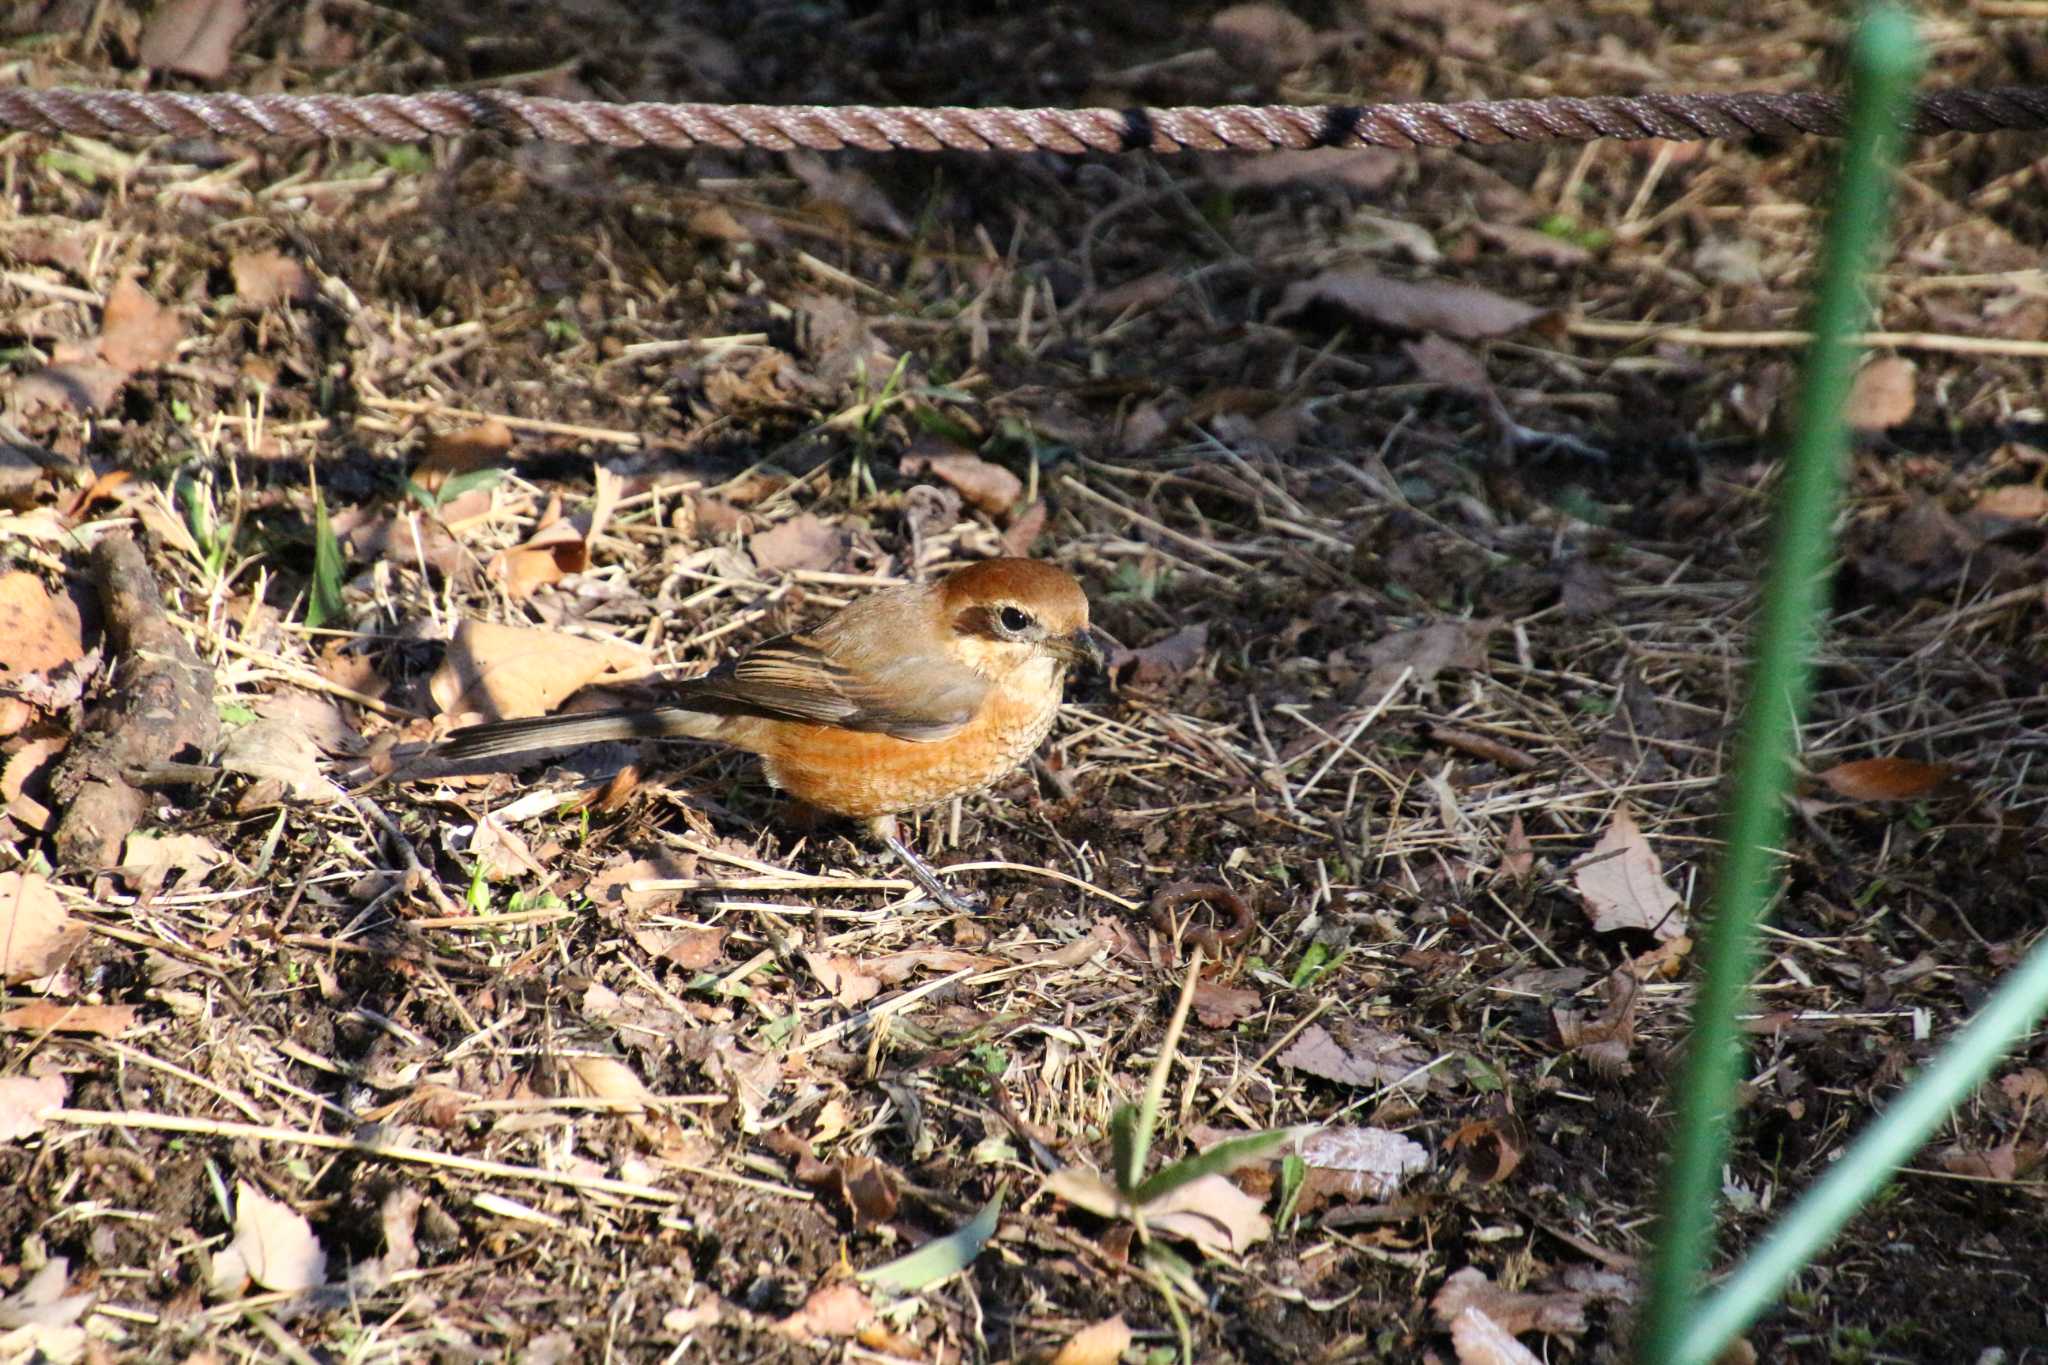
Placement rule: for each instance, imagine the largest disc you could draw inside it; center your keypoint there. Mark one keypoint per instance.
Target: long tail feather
(561, 732)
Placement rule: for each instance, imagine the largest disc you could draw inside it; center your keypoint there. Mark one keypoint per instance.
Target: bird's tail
(591, 727)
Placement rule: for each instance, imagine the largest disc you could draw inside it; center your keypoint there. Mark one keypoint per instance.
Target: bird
(901, 700)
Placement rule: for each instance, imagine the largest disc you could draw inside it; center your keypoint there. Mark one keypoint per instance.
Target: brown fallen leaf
(505, 672)
(1604, 1039)
(1160, 662)
(1425, 652)
(1355, 1163)
(988, 486)
(25, 1100)
(1882, 396)
(1438, 361)
(559, 545)
(193, 37)
(42, 632)
(1885, 779)
(691, 949)
(1220, 1006)
(1210, 1211)
(837, 1310)
(1622, 882)
(264, 279)
(1099, 1343)
(1479, 1340)
(1264, 42)
(50, 1016)
(2013, 502)
(1554, 1314)
(1489, 1149)
(1517, 854)
(1361, 169)
(805, 541)
(450, 453)
(274, 1245)
(35, 933)
(136, 332)
(1369, 1056)
(843, 978)
(1458, 310)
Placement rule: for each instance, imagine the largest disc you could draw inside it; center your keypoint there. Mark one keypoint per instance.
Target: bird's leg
(884, 828)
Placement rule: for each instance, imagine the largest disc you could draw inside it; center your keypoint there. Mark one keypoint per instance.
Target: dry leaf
(1426, 652)
(559, 546)
(1622, 883)
(193, 37)
(1220, 1006)
(1998, 1163)
(152, 860)
(805, 541)
(136, 333)
(1489, 1149)
(1438, 361)
(1517, 855)
(2029, 1085)
(894, 968)
(837, 1310)
(42, 632)
(1358, 1163)
(264, 279)
(1479, 1340)
(1556, 1314)
(25, 1099)
(1366, 170)
(49, 1016)
(1457, 310)
(1211, 1211)
(1882, 396)
(851, 190)
(1099, 1343)
(35, 933)
(841, 976)
(989, 487)
(592, 1076)
(451, 453)
(505, 672)
(1885, 779)
(2014, 502)
(691, 949)
(283, 751)
(1024, 530)
(42, 1303)
(1372, 1057)
(1604, 1039)
(1531, 244)
(1264, 42)
(274, 1246)
(1161, 661)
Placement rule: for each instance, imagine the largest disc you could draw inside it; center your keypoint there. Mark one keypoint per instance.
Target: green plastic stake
(1884, 63)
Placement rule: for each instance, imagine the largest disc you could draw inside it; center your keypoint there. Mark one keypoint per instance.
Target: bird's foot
(927, 879)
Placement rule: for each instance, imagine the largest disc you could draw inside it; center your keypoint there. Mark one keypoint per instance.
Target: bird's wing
(809, 678)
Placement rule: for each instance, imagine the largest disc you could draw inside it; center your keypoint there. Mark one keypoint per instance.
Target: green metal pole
(1884, 63)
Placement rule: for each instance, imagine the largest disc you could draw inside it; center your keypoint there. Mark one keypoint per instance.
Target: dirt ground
(1430, 646)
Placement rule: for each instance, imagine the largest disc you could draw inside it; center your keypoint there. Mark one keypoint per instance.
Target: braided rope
(778, 127)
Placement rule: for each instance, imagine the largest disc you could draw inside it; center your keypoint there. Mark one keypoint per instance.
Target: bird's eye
(1014, 620)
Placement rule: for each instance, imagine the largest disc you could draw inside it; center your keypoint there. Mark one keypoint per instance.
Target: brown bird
(904, 699)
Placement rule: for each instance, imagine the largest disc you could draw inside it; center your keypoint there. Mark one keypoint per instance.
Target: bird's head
(1009, 613)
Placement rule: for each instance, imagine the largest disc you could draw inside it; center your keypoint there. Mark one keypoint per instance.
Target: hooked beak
(1083, 646)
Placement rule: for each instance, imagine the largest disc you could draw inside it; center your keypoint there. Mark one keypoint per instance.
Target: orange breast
(860, 775)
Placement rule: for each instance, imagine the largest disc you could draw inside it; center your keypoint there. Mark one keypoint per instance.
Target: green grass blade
(940, 1257)
(1884, 62)
(1223, 1158)
(323, 603)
